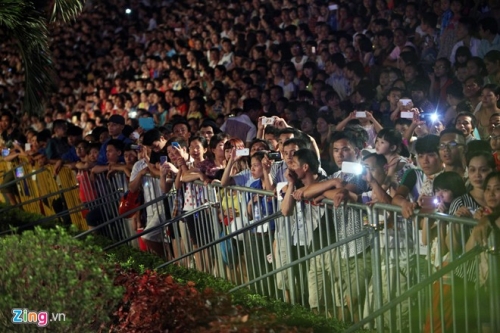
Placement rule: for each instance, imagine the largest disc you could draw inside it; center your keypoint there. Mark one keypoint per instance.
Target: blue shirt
(56, 148)
(70, 156)
(266, 206)
(102, 159)
(243, 178)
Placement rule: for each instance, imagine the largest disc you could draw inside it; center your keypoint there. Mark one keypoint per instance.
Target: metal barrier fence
(358, 263)
(355, 262)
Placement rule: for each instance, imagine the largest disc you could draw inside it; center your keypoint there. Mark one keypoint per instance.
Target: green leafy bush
(13, 218)
(48, 270)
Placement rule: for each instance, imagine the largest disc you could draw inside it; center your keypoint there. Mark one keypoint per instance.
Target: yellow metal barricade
(67, 179)
(27, 188)
(47, 185)
(4, 167)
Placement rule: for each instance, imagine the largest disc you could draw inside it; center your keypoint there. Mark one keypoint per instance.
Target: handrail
(161, 225)
(131, 211)
(237, 188)
(61, 191)
(433, 215)
(226, 237)
(417, 287)
(19, 179)
(330, 247)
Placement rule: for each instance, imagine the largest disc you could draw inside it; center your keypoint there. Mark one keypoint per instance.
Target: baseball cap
(117, 119)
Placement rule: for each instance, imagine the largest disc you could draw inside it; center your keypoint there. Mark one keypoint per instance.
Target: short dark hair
(421, 84)
(264, 142)
(251, 104)
(43, 136)
(59, 123)
(456, 90)
(427, 144)
(7, 114)
(478, 79)
(452, 130)
(337, 59)
(386, 33)
(289, 130)
(357, 67)
(380, 160)
(490, 160)
(342, 135)
(489, 24)
(74, 131)
(467, 114)
(430, 19)
(307, 156)
(492, 56)
(151, 136)
(450, 180)
(393, 137)
(464, 106)
(296, 141)
(118, 144)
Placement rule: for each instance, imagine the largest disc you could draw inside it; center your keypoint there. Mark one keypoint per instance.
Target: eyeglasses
(493, 137)
(449, 145)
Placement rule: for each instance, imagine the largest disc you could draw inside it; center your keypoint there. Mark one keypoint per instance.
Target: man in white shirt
(465, 26)
(227, 58)
(490, 39)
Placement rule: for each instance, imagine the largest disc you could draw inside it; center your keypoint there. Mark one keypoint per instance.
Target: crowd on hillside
(408, 89)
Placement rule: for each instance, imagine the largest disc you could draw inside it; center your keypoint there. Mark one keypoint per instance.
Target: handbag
(129, 201)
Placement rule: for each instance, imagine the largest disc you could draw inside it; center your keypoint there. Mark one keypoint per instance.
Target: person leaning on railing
(302, 172)
(87, 154)
(447, 186)
(392, 241)
(237, 173)
(181, 160)
(114, 150)
(416, 191)
(488, 226)
(142, 167)
(355, 256)
(200, 231)
(259, 241)
(70, 157)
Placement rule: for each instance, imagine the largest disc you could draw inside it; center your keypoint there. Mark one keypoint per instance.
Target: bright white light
(359, 169)
(434, 117)
(133, 114)
(128, 11)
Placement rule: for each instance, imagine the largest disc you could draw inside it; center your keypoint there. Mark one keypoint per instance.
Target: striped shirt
(469, 270)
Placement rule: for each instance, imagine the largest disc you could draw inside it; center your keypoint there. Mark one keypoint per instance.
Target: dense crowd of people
(409, 90)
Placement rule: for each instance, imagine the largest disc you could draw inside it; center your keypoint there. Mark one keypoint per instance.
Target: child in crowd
(130, 156)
